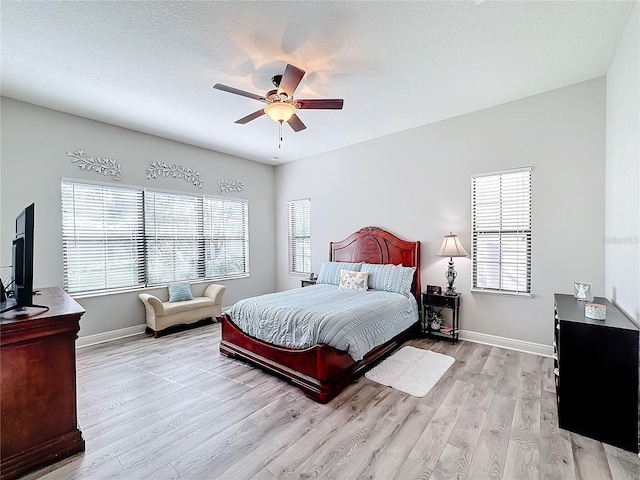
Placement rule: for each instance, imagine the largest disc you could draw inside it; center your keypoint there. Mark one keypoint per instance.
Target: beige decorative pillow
(350, 280)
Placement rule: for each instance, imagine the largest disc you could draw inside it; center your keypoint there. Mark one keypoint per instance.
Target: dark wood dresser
(38, 413)
(596, 367)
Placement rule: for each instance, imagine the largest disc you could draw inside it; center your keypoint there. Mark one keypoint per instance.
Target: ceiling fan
(281, 106)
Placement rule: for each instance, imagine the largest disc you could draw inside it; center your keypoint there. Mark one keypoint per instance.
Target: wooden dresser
(596, 373)
(38, 414)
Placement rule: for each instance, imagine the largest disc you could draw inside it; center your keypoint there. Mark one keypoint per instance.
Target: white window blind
(102, 237)
(226, 233)
(300, 236)
(501, 232)
(173, 233)
(116, 238)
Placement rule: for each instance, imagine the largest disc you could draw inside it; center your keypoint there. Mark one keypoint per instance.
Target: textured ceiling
(150, 66)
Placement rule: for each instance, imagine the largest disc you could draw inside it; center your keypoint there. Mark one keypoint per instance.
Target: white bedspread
(348, 320)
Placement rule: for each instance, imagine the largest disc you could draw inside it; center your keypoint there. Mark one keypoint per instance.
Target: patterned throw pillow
(390, 278)
(330, 271)
(350, 280)
(179, 292)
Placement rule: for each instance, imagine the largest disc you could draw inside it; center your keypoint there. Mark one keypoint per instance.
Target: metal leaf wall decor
(227, 186)
(101, 165)
(174, 170)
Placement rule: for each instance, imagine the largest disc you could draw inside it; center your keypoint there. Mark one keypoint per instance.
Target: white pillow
(330, 271)
(390, 278)
(350, 280)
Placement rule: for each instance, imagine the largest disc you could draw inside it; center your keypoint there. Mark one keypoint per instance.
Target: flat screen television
(22, 260)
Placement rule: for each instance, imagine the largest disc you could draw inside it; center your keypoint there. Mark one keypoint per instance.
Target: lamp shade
(451, 247)
(280, 111)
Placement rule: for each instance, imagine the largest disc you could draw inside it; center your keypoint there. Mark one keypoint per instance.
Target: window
(173, 237)
(226, 235)
(501, 232)
(102, 237)
(300, 236)
(127, 237)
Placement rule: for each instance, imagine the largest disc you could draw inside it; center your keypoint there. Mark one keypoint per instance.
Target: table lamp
(451, 247)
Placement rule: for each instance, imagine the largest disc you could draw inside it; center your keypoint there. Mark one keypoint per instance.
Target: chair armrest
(215, 292)
(153, 302)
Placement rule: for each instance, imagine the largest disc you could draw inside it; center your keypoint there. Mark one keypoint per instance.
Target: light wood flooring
(173, 407)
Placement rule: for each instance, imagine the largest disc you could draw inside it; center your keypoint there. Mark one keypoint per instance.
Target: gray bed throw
(349, 320)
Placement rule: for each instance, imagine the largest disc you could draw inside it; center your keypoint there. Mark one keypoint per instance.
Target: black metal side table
(430, 301)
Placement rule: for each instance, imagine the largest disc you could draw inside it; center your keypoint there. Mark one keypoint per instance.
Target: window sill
(141, 289)
(502, 293)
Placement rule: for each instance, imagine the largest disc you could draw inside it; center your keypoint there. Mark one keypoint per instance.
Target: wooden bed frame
(322, 371)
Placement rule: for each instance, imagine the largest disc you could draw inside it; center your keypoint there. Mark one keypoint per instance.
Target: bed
(321, 371)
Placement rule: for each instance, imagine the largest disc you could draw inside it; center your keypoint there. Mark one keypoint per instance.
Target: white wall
(622, 233)
(416, 184)
(34, 143)
(422, 177)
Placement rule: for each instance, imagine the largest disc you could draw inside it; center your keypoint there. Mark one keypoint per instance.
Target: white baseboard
(109, 336)
(509, 343)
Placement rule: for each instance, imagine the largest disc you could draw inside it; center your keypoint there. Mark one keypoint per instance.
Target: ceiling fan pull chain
(280, 135)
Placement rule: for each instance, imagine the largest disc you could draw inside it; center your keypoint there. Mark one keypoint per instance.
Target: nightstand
(430, 301)
(307, 282)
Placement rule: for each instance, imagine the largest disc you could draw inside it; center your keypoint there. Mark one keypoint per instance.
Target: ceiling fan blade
(253, 116)
(225, 88)
(296, 123)
(321, 103)
(290, 80)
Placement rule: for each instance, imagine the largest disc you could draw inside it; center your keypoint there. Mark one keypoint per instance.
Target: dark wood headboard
(374, 245)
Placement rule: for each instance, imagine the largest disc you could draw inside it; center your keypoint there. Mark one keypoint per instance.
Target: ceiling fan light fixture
(280, 111)
(281, 106)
